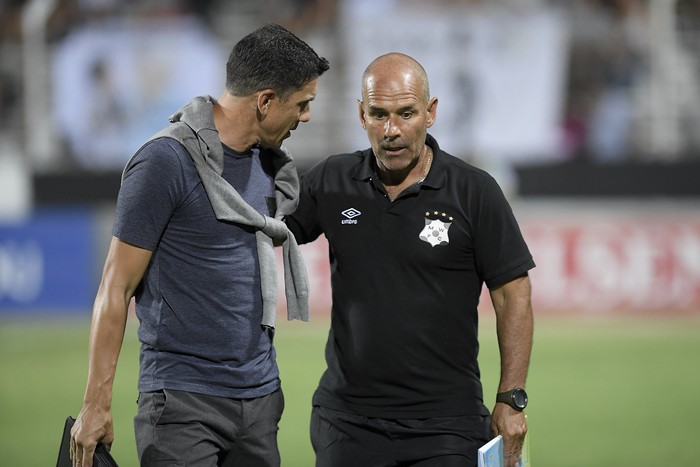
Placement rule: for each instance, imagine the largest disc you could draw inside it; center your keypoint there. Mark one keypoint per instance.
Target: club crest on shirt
(437, 225)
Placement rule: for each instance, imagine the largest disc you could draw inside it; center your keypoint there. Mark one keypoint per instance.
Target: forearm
(514, 326)
(122, 273)
(515, 330)
(106, 337)
(124, 268)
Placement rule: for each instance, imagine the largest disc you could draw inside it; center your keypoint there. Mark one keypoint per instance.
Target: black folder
(102, 457)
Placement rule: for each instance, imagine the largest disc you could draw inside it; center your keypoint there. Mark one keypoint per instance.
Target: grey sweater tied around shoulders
(193, 126)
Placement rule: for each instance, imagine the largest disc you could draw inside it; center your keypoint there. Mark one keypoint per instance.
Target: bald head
(395, 66)
(396, 111)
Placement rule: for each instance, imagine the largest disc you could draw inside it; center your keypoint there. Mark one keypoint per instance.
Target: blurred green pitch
(603, 392)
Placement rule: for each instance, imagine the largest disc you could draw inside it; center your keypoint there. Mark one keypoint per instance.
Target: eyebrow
(374, 108)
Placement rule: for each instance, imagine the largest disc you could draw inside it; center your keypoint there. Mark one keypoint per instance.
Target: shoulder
(162, 154)
(454, 171)
(345, 160)
(463, 173)
(337, 166)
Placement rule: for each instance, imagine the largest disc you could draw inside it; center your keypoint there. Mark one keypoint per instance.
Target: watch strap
(507, 398)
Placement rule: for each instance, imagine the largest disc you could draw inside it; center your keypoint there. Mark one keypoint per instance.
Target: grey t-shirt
(199, 304)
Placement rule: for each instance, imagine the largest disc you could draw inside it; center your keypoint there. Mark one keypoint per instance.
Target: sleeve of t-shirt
(152, 186)
(500, 250)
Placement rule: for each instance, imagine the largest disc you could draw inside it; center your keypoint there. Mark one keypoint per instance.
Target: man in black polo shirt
(413, 234)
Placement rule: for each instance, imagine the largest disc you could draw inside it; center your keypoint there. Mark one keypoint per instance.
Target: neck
(426, 164)
(395, 183)
(234, 118)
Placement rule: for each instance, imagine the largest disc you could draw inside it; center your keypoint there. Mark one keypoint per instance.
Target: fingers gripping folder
(102, 457)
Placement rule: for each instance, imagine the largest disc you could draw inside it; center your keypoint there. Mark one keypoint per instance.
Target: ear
(361, 111)
(265, 98)
(432, 111)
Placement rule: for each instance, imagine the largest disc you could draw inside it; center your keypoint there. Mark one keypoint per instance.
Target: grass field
(603, 392)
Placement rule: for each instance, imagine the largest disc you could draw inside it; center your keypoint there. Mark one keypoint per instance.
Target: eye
(406, 114)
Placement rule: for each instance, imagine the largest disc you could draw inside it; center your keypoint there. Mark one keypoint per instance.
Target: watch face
(520, 398)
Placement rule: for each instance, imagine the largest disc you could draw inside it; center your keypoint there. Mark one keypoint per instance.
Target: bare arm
(514, 326)
(123, 270)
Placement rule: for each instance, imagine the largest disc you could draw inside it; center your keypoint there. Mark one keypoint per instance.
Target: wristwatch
(516, 398)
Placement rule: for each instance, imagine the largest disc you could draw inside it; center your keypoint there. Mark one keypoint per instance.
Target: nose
(391, 129)
(305, 115)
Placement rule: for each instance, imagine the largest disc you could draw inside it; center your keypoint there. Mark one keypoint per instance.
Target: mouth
(393, 150)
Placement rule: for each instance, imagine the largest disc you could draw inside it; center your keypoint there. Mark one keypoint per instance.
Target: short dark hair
(272, 57)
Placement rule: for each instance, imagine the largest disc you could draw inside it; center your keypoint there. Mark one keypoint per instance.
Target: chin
(396, 163)
(274, 144)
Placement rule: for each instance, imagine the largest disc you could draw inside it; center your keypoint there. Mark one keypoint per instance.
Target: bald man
(413, 235)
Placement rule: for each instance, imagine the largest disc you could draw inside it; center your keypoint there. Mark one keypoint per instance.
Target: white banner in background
(498, 73)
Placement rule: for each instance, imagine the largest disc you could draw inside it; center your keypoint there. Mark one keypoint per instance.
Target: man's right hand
(91, 426)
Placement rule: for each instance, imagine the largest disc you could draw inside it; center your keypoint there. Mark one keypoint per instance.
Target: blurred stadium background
(586, 111)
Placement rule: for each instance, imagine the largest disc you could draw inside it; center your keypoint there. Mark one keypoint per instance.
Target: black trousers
(342, 439)
(175, 428)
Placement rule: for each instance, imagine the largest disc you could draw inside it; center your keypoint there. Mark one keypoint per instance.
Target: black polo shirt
(406, 278)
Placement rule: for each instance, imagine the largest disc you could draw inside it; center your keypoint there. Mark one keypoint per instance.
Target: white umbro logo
(351, 214)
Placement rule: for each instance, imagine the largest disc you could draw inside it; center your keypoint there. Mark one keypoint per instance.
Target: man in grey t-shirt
(207, 359)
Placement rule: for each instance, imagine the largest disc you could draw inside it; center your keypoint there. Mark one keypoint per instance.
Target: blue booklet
(491, 453)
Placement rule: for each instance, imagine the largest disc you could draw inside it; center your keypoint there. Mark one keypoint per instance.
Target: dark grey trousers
(182, 429)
